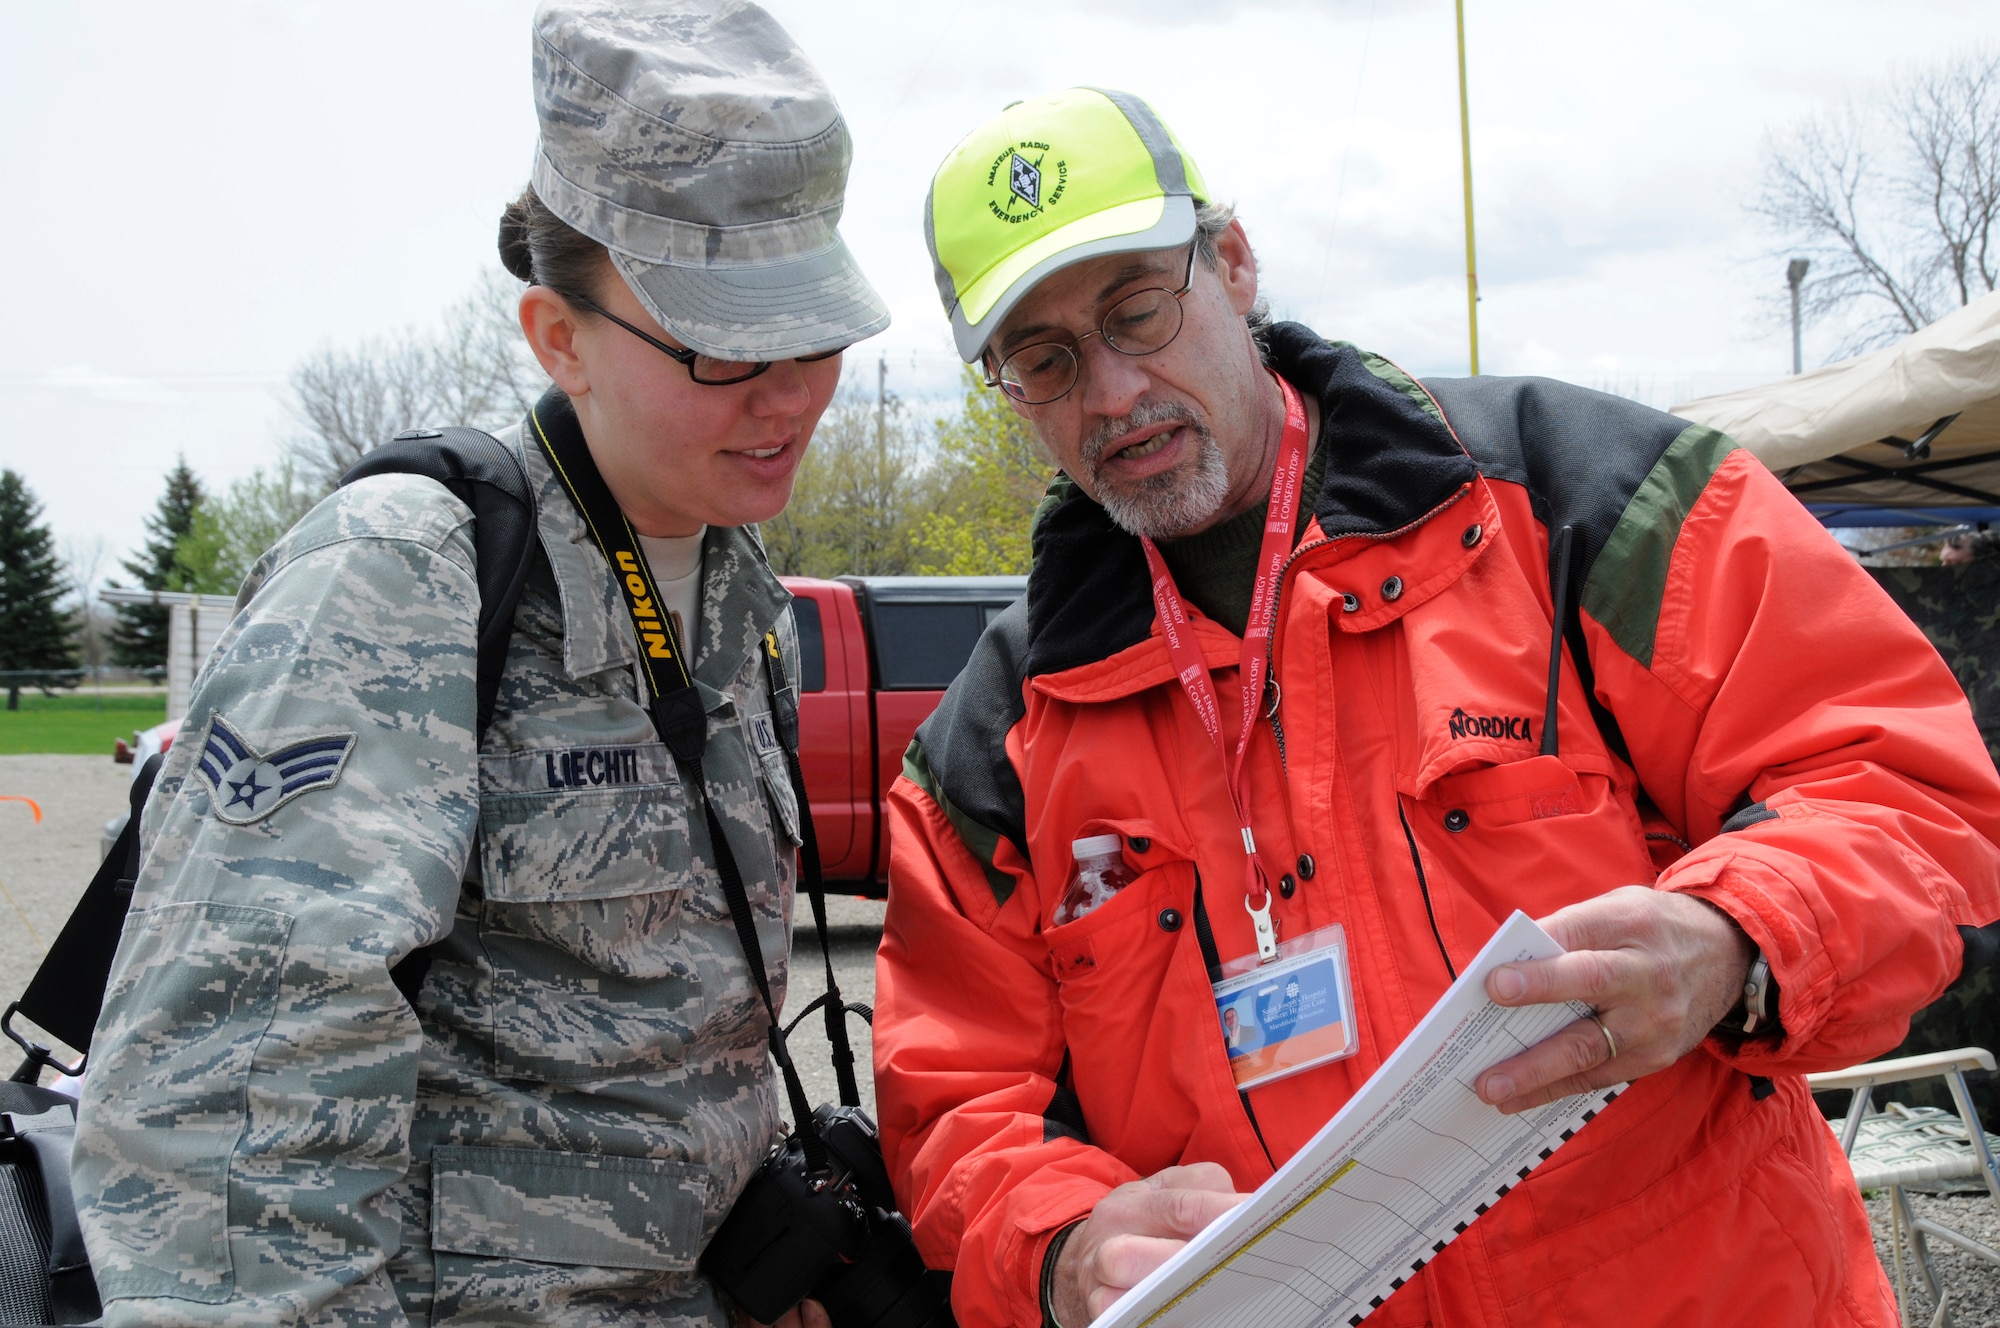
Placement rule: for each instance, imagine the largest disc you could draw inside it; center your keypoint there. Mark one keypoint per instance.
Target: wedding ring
(1610, 1043)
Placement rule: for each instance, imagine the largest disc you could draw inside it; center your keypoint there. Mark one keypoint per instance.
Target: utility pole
(1796, 275)
(1465, 145)
(881, 467)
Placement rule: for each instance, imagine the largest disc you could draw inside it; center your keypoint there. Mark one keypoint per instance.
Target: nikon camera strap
(677, 713)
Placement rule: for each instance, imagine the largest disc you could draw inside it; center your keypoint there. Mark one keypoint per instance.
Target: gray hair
(1210, 221)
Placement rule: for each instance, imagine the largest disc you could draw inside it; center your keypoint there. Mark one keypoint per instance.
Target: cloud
(133, 389)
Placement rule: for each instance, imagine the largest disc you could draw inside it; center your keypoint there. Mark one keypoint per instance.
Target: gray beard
(1167, 505)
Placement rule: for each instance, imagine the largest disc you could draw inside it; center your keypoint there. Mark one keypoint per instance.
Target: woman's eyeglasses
(708, 370)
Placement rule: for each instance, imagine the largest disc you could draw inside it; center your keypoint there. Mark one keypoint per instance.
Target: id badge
(1291, 1014)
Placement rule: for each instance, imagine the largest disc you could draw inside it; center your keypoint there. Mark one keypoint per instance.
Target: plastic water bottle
(1100, 873)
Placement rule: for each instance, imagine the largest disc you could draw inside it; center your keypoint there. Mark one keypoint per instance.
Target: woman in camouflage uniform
(553, 1126)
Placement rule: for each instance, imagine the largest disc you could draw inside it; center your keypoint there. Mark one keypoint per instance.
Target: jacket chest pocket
(574, 843)
(586, 886)
(1534, 834)
(1136, 1007)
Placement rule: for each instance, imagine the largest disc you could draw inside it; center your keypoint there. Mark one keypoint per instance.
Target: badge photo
(1289, 1015)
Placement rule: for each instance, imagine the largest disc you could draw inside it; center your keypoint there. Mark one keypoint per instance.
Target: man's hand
(1133, 1230)
(1660, 969)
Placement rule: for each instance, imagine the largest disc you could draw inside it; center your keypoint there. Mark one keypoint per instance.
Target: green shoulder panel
(1629, 578)
(978, 840)
(1388, 372)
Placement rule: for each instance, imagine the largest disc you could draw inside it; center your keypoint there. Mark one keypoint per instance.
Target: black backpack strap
(486, 477)
(67, 991)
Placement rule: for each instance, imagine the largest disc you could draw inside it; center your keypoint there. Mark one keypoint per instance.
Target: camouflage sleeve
(254, 1071)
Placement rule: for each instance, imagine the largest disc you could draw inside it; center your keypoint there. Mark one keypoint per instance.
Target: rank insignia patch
(246, 786)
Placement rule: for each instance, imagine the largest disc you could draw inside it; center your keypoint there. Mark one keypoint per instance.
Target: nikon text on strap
(677, 712)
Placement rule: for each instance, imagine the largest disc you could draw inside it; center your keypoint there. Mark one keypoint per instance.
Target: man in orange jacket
(1510, 645)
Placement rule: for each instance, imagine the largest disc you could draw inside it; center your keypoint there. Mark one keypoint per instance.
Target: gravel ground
(44, 868)
(1972, 1285)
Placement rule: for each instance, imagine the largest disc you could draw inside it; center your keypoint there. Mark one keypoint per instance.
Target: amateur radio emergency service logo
(1025, 182)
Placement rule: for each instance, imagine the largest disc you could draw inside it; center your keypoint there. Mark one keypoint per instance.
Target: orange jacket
(1776, 738)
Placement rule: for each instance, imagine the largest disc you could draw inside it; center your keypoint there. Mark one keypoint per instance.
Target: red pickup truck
(876, 653)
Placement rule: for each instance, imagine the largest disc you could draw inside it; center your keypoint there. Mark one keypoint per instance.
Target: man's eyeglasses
(1139, 324)
(707, 370)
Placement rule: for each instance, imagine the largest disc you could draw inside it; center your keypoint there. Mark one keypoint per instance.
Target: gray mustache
(1146, 414)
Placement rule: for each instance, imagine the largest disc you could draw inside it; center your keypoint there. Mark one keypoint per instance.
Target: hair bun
(515, 255)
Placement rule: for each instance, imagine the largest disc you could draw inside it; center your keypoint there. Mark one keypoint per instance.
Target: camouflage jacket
(270, 1132)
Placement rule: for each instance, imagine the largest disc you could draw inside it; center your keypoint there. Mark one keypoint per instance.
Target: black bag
(44, 1272)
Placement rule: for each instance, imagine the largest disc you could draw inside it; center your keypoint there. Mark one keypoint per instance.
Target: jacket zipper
(1416, 860)
(1274, 718)
(1204, 935)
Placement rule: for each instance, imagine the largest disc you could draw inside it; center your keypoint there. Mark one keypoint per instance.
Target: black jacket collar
(1391, 461)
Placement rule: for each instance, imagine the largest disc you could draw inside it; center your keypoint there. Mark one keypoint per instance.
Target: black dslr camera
(835, 1237)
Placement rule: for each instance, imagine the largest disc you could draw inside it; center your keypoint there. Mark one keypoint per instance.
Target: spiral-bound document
(1408, 1164)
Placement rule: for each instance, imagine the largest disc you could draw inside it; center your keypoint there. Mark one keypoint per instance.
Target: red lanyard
(1193, 668)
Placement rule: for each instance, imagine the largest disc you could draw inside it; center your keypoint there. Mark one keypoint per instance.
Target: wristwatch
(1758, 1011)
(1056, 1243)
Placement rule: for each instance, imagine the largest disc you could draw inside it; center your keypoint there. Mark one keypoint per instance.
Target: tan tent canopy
(1916, 424)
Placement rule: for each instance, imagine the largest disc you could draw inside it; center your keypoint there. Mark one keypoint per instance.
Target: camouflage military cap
(695, 141)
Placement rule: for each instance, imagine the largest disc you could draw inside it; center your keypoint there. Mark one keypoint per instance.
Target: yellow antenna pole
(1465, 143)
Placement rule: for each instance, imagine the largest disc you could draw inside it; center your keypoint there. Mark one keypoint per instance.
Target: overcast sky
(201, 194)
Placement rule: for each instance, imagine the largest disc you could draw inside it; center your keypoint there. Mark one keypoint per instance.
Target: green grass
(77, 723)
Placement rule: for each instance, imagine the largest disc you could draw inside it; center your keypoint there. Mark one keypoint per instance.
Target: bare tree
(83, 558)
(1951, 118)
(1896, 201)
(473, 369)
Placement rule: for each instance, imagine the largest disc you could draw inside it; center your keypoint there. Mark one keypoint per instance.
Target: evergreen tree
(34, 632)
(139, 638)
(232, 529)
